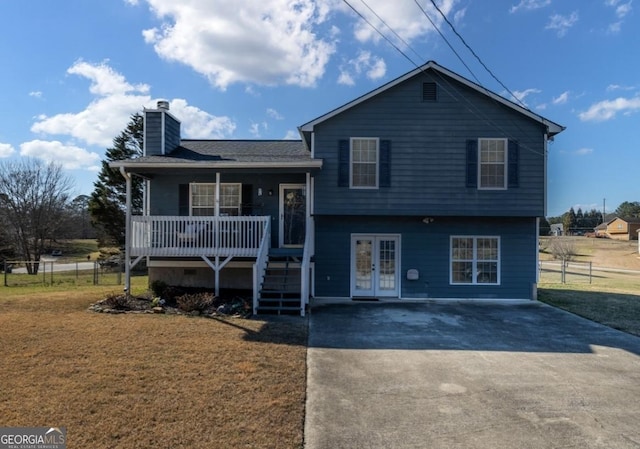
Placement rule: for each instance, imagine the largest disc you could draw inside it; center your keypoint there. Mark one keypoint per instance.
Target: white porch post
(127, 234)
(217, 200)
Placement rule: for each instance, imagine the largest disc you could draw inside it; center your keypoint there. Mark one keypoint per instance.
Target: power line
(379, 32)
(474, 53)
(471, 107)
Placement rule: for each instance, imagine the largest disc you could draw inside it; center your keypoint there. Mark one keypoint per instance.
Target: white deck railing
(157, 235)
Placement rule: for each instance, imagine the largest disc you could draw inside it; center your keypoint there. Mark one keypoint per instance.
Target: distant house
(557, 229)
(429, 186)
(619, 228)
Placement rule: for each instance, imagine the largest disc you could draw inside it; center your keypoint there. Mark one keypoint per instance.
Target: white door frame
(282, 187)
(376, 288)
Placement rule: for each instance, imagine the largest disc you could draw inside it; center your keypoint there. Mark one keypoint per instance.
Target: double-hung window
(492, 167)
(203, 199)
(364, 162)
(475, 260)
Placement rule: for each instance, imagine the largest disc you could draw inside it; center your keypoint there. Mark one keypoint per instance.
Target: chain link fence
(18, 273)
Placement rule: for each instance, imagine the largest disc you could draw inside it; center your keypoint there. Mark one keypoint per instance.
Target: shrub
(158, 287)
(117, 301)
(563, 249)
(195, 302)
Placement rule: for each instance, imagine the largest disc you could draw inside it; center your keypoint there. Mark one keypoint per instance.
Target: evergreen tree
(545, 227)
(628, 209)
(569, 221)
(108, 200)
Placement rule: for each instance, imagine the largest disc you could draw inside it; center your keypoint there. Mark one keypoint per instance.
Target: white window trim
(377, 140)
(474, 276)
(215, 195)
(506, 163)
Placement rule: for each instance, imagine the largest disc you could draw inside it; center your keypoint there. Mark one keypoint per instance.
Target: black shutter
(343, 163)
(472, 163)
(513, 176)
(183, 200)
(385, 164)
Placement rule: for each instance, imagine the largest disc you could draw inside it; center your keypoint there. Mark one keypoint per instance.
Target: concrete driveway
(468, 375)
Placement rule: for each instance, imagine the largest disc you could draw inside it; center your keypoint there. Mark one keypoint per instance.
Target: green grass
(611, 302)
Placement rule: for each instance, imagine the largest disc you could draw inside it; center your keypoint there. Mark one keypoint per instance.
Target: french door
(375, 265)
(293, 214)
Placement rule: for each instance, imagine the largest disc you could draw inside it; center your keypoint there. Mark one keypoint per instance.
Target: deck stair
(280, 291)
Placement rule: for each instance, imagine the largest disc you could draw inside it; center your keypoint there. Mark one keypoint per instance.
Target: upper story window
(492, 166)
(203, 199)
(364, 162)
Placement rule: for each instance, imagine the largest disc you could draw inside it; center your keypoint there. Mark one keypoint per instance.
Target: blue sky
(75, 70)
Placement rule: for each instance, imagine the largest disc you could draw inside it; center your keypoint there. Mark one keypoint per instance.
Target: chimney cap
(163, 105)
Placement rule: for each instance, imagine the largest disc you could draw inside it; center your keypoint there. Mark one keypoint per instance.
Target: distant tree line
(579, 221)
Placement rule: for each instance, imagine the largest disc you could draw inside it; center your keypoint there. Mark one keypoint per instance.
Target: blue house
(430, 186)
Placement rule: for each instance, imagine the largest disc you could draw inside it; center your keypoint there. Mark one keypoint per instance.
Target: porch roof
(228, 154)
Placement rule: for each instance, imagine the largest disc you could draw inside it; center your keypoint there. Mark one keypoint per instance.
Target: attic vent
(429, 92)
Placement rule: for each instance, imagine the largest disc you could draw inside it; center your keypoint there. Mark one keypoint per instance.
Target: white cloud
(69, 156)
(562, 98)
(584, 151)
(622, 9)
(114, 103)
(6, 150)
(528, 5)
(405, 18)
(256, 129)
(607, 109)
(264, 42)
(35, 94)
(274, 114)
(614, 87)
(521, 95)
(562, 23)
(373, 66)
(198, 124)
(292, 135)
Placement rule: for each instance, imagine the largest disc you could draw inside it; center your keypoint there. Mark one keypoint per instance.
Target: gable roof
(629, 220)
(228, 154)
(552, 127)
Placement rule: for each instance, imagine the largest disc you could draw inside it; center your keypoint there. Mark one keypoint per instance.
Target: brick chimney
(161, 130)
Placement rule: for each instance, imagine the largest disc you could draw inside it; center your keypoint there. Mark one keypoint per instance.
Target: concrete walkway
(468, 375)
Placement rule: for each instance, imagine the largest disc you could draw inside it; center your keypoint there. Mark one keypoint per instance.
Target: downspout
(127, 234)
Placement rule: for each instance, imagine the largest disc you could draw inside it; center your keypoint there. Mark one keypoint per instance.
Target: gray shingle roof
(254, 153)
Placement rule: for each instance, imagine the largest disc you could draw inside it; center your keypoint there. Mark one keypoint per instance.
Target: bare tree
(33, 201)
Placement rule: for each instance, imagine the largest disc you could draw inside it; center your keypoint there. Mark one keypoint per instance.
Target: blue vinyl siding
(428, 157)
(153, 133)
(426, 247)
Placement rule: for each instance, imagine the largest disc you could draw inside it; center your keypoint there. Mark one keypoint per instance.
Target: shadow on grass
(281, 330)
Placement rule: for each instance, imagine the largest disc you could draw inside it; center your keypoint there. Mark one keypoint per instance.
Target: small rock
(158, 309)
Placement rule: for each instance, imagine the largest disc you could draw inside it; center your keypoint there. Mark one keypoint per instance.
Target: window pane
(462, 249)
(487, 273)
(487, 249)
(462, 272)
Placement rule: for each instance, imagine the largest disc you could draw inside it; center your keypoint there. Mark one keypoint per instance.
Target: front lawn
(141, 381)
